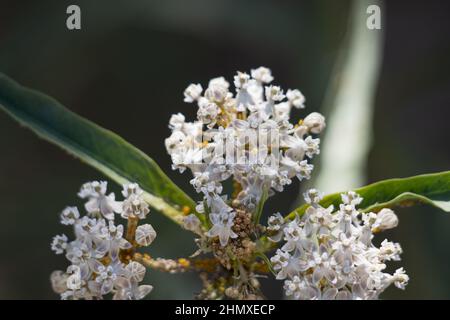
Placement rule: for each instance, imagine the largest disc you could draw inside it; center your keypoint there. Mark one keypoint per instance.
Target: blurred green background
(127, 68)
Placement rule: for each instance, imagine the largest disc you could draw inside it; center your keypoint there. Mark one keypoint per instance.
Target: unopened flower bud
(386, 219)
(145, 234)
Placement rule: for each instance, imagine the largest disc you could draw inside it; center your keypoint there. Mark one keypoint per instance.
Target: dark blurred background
(126, 70)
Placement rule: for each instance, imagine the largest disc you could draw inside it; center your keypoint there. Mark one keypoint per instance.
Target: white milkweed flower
(351, 198)
(97, 268)
(245, 136)
(330, 255)
(217, 90)
(145, 234)
(285, 264)
(222, 219)
(69, 215)
(208, 112)
(312, 146)
(59, 243)
(192, 223)
(73, 282)
(241, 80)
(275, 225)
(58, 280)
(312, 196)
(177, 121)
(98, 201)
(136, 271)
(131, 189)
(275, 222)
(386, 219)
(126, 288)
(296, 99)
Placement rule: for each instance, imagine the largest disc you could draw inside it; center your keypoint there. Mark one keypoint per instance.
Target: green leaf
(432, 189)
(260, 206)
(96, 146)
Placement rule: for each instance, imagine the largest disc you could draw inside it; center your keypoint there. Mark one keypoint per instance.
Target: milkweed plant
(243, 138)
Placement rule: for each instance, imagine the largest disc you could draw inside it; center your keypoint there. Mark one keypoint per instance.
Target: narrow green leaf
(260, 206)
(432, 189)
(96, 146)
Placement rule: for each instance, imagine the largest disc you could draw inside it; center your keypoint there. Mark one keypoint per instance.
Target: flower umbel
(244, 136)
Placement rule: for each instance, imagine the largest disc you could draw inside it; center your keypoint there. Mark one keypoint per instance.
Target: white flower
(69, 215)
(386, 219)
(191, 223)
(390, 250)
(128, 289)
(222, 223)
(243, 135)
(208, 112)
(274, 93)
(262, 74)
(192, 92)
(73, 282)
(145, 234)
(312, 146)
(217, 90)
(176, 121)
(351, 198)
(400, 278)
(131, 189)
(295, 145)
(59, 243)
(241, 80)
(221, 217)
(134, 207)
(315, 122)
(98, 201)
(95, 267)
(275, 222)
(58, 280)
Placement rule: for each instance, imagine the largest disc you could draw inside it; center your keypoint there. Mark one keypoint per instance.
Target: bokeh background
(128, 66)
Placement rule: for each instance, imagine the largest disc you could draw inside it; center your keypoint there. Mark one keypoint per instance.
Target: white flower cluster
(330, 255)
(98, 266)
(220, 145)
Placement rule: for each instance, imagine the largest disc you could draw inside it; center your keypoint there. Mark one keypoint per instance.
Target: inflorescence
(244, 137)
